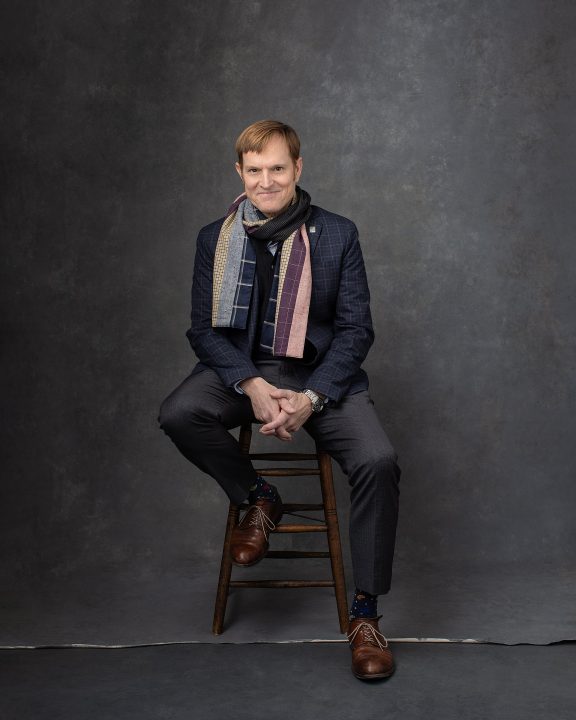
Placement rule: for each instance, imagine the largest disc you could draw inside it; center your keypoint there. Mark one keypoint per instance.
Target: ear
(298, 165)
(239, 171)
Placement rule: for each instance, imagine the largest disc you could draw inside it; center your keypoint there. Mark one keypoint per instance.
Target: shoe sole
(237, 564)
(378, 676)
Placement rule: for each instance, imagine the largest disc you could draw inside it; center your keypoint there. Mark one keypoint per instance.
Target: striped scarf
(283, 332)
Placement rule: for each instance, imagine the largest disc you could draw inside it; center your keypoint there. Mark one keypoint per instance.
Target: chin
(267, 209)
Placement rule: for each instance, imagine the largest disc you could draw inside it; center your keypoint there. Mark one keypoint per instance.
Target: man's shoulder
(212, 229)
(329, 219)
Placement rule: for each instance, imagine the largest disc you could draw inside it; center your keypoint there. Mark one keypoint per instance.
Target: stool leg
(244, 438)
(225, 572)
(334, 545)
(226, 564)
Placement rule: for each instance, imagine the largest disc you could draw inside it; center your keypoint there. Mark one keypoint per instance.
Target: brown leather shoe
(250, 536)
(371, 656)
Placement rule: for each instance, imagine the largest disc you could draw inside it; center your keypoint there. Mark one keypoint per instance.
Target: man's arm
(353, 332)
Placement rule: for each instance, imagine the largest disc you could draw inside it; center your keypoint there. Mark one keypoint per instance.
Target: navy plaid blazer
(339, 332)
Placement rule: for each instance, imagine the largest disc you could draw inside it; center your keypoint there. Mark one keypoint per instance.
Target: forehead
(275, 151)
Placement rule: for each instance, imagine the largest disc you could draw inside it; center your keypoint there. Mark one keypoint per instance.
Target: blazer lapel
(314, 229)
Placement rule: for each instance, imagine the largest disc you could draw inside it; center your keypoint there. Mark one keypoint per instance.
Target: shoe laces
(261, 520)
(368, 634)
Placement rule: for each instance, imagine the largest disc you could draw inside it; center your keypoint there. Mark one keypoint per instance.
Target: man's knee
(382, 459)
(172, 416)
(377, 464)
(180, 413)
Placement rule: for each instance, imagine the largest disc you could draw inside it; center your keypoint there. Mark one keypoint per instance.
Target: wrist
(317, 400)
(251, 383)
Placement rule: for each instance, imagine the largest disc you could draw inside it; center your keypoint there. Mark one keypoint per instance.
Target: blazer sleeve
(211, 345)
(352, 326)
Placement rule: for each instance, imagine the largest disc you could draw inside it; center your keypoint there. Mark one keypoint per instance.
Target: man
(281, 325)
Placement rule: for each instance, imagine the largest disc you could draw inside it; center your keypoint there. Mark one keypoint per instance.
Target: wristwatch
(317, 402)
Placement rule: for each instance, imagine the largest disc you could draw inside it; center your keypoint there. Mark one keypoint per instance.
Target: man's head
(269, 164)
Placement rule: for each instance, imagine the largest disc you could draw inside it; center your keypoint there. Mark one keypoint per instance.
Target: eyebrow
(258, 167)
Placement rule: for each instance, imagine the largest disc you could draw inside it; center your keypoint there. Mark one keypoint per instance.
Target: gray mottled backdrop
(445, 129)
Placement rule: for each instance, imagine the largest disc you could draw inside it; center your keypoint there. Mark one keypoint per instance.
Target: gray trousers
(199, 413)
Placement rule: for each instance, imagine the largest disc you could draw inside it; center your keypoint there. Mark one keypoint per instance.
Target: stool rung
(297, 554)
(286, 528)
(286, 472)
(281, 583)
(282, 457)
(290, 507)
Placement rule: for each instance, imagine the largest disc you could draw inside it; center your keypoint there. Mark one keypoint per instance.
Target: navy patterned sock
(262, 489)
(364, 605)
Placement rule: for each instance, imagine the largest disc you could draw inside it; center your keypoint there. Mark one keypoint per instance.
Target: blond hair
(256, 136)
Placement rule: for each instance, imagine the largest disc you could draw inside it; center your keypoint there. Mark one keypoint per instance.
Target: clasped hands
(282, 411)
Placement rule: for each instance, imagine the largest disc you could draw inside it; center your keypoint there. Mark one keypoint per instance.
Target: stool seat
(329, 525)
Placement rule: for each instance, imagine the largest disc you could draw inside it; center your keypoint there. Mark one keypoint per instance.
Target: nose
(265, 179)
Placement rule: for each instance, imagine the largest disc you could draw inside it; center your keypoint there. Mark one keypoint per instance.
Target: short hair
(256, 136)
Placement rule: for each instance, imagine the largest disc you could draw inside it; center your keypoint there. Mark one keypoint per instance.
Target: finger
(276, 423)
(292, 428)
(282, 393)
(267, 432)
(287, 406)
(281, 433)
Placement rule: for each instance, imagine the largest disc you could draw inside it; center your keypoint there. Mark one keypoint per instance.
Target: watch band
(317, 402)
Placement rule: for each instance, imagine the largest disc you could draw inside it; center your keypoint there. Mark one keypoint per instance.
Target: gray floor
(276, 681)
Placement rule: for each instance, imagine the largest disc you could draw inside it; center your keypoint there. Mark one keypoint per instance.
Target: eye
(279, 168)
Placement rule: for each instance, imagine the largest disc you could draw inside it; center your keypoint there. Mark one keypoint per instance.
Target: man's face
(270, 177)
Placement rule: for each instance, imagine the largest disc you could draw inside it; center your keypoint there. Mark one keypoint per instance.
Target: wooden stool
(329, 526)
